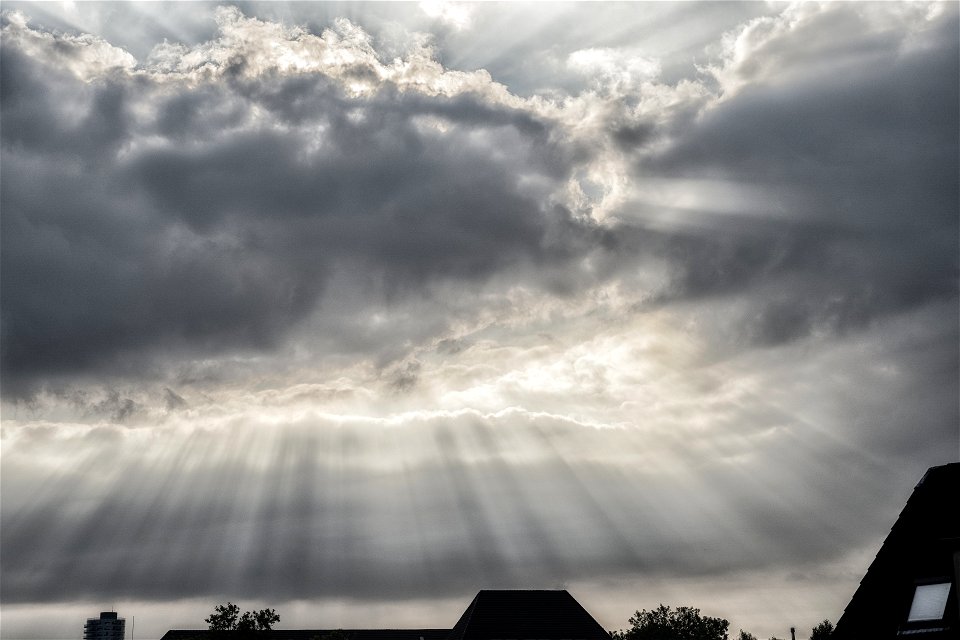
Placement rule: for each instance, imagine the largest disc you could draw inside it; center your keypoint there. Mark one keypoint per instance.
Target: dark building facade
(107, 627)
(910, 589)
(492, 615)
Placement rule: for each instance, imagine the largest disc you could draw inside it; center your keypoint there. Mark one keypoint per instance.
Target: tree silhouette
(822, 631)
(683, 623)
(226, 617)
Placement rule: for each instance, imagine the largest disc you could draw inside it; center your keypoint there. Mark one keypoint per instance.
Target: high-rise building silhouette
(107, 627)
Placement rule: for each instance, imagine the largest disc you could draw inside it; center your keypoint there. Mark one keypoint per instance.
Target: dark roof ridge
(431, 633)
(458, 629)
(516, 613)
(521, 591)
(941, 468)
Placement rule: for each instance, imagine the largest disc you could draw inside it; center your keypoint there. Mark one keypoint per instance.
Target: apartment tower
(107, 627)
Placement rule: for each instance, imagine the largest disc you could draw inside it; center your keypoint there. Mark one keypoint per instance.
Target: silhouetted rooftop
(545, 615)
(492, 615)
(910, 588)
(309, 634)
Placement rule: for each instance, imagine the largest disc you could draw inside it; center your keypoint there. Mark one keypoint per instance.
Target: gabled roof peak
(526, 613)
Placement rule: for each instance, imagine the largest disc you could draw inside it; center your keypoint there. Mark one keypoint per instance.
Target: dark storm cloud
(47, 111)
(794, 278)
(871, 146)
(858, 162)
(189, 229)
(184, 229)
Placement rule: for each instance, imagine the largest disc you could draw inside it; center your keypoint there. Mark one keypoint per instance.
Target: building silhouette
(107, 627)
(910, 589)
(526, 614)
(492, 615)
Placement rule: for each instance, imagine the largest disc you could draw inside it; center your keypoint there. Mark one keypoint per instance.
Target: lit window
(929, 602)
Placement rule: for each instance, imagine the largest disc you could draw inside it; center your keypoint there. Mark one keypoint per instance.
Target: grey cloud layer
(215, 235)
(147, 212)
(857, 158)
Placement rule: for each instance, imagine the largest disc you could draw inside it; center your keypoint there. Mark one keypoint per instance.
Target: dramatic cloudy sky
(354, 309)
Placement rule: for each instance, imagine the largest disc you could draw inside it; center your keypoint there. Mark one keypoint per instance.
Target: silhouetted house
(910, 589)
(107, 627)
(310, 634)
(493, 615)
(524, 615)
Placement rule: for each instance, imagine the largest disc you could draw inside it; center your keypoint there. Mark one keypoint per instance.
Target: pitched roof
(922, 548)
(545, 615)
(309, 634)
(493, 615)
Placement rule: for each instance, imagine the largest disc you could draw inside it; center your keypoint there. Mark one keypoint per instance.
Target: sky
(351, 310)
